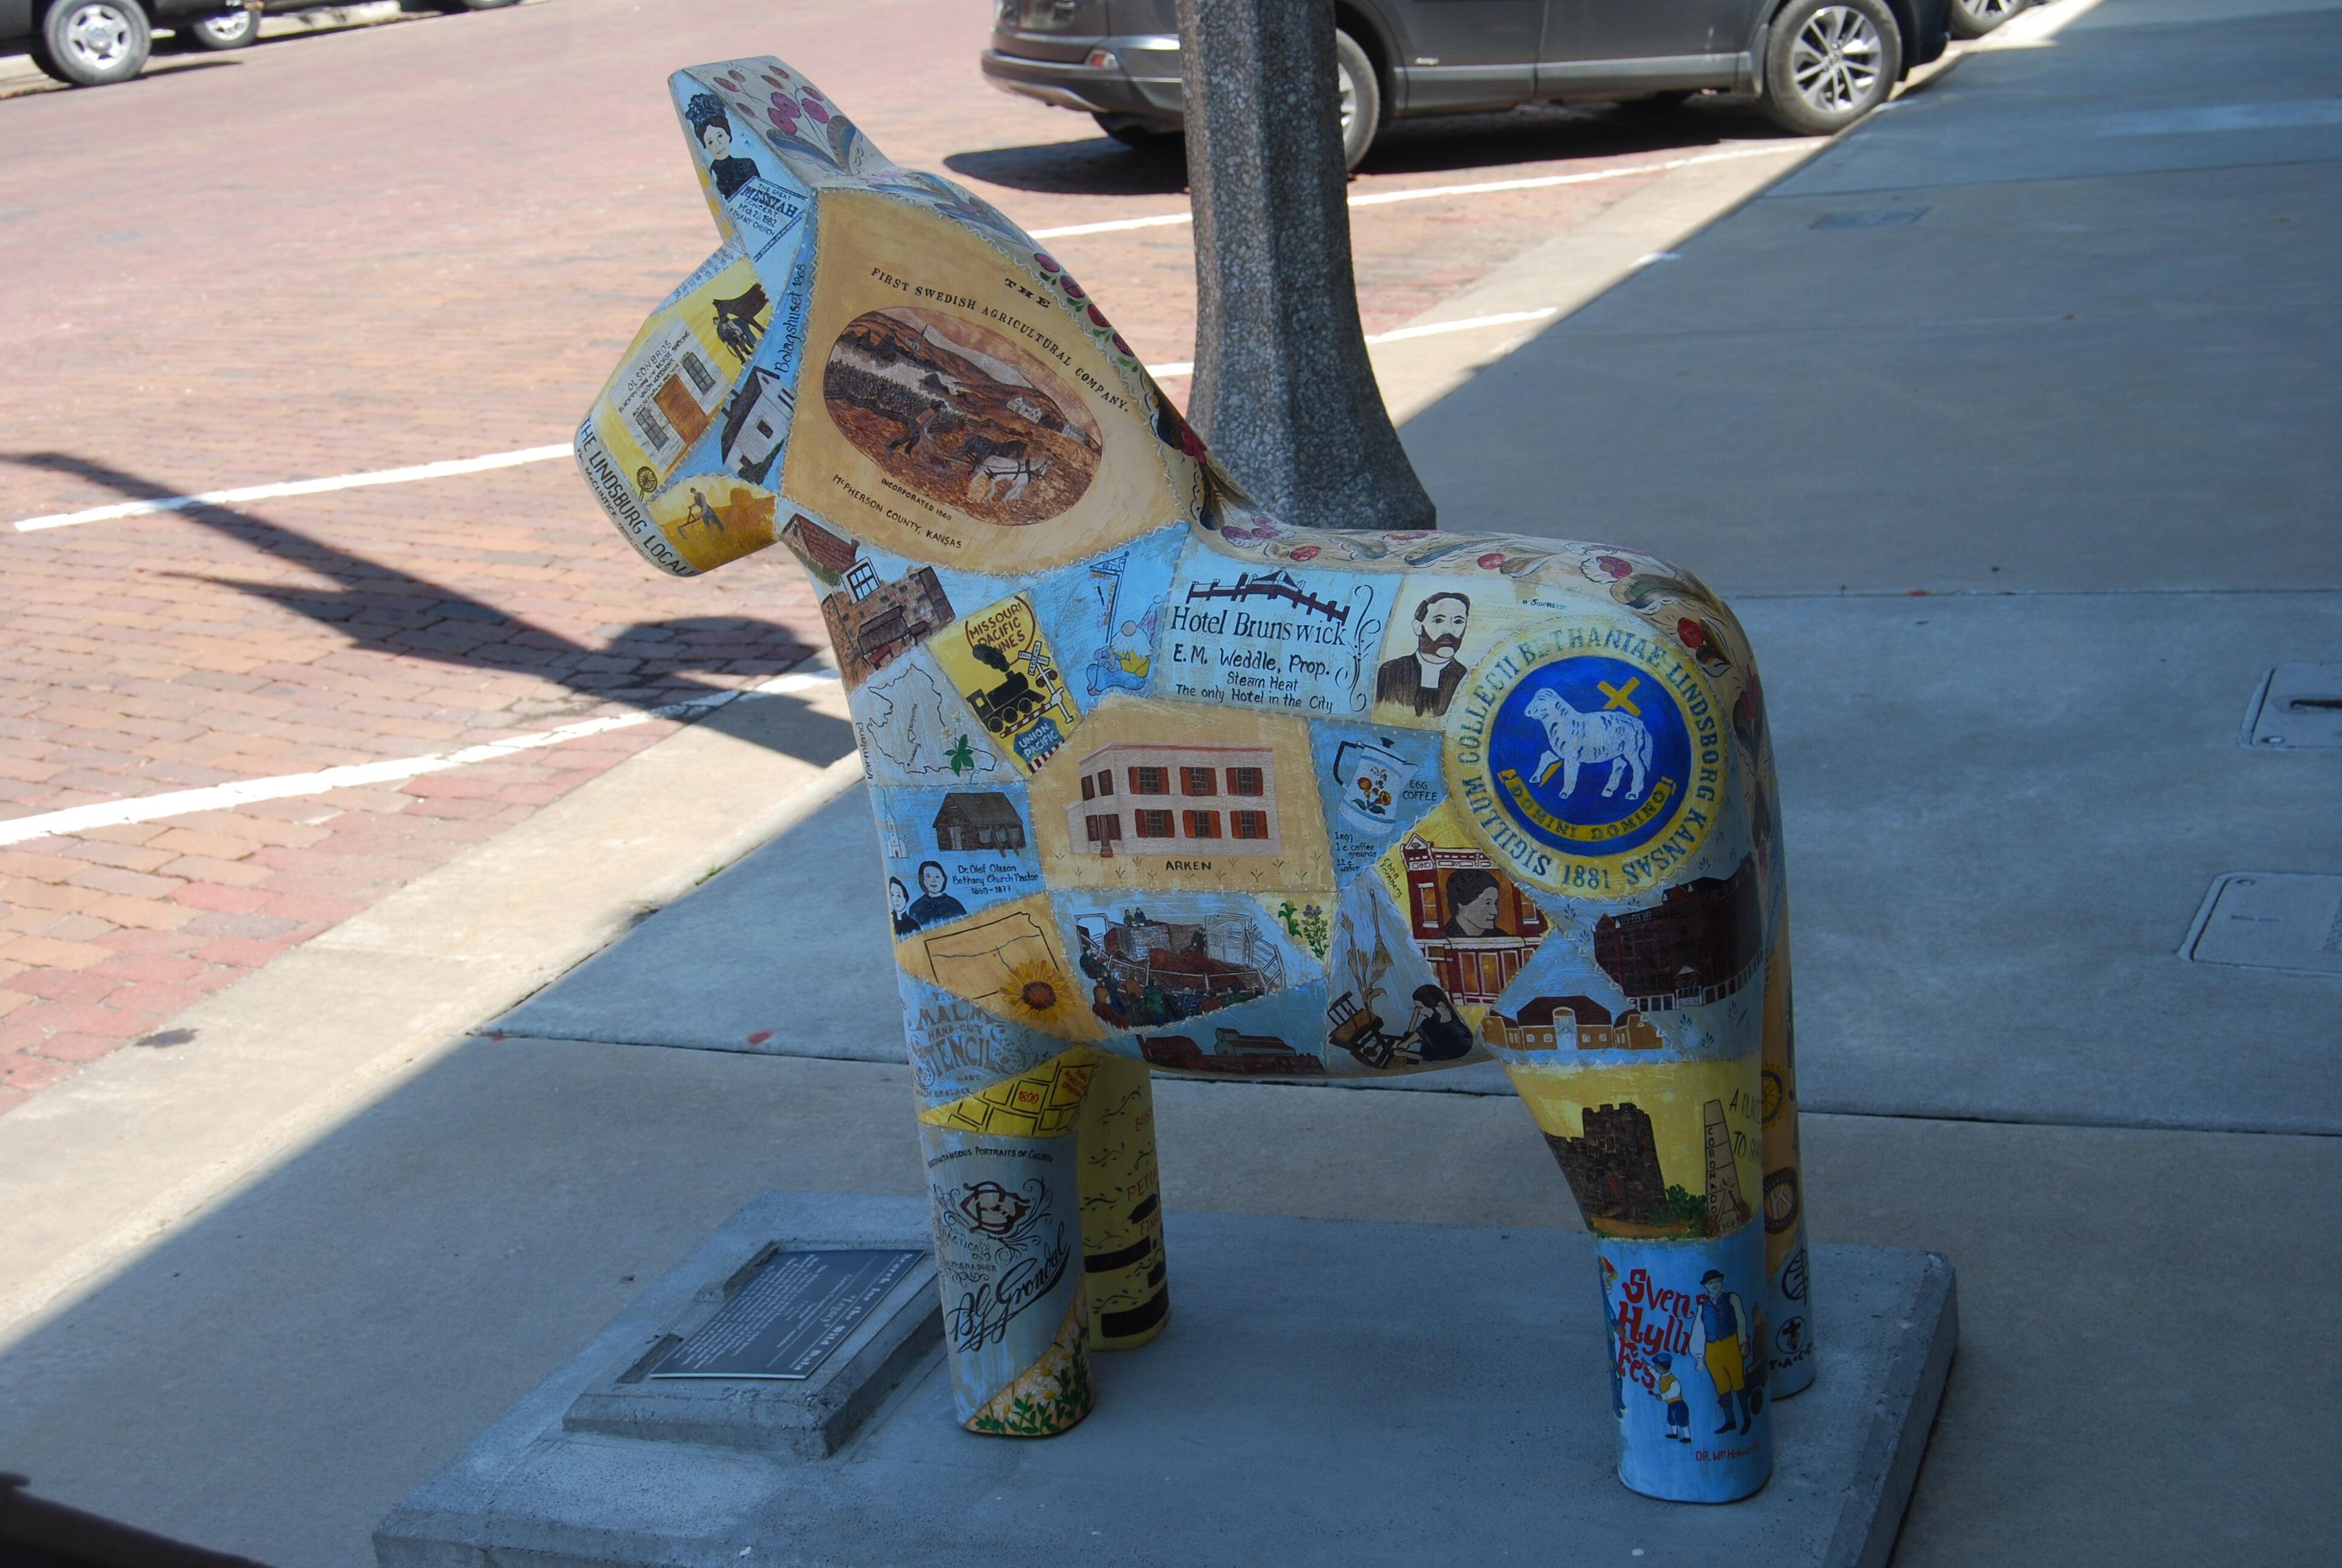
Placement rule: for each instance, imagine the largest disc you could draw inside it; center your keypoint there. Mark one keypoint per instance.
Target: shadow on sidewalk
(383, 609)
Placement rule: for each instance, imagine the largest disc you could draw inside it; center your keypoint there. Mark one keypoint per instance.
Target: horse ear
(781, 126)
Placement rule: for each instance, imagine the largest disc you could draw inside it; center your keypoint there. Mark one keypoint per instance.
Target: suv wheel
(232, 30)
(90, 42)
(1975, 18)
(1362, 99)
(1827, 63)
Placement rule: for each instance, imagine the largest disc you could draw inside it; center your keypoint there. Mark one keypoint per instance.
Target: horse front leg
(1662, 1157)
(1004, 1176)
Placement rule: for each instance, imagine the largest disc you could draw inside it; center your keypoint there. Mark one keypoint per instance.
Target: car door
(1455, 55)
(1626, 44)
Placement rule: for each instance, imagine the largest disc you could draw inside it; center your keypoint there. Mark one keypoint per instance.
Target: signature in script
(983, 1314)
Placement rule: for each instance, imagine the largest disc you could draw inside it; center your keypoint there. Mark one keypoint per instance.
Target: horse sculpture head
(1167, 785)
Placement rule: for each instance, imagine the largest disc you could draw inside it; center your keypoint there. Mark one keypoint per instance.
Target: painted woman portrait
(1475, 901)
(714, 128)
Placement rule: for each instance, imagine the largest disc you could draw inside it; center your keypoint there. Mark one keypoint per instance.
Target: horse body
(1175, 876)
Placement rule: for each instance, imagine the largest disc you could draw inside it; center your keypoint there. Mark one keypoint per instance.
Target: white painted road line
(1479, 189)
(547, 453)
(1466, 324)
(1397, 335)
(396, 770)
(1115, 226)
(297, 487)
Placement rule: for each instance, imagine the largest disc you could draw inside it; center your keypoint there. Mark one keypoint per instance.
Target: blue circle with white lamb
(1590, 756)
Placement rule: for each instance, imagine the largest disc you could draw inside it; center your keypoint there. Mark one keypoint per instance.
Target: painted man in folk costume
(1174, 809)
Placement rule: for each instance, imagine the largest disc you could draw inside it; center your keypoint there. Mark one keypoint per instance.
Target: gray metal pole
(1283, 392)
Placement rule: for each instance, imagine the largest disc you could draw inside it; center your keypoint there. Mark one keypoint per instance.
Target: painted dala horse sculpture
(1164, 786)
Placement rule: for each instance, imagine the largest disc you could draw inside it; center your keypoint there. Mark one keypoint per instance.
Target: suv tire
(1975, 18)
(230, 30)
(92, 42)
(1362, 99)
(1827, 63)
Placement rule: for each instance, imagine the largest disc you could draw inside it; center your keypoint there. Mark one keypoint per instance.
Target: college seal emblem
(1589, 757)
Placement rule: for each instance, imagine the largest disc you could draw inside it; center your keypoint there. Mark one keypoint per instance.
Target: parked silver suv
(1819, 64)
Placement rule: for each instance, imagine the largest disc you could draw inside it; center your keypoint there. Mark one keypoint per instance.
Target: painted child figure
(1163, 785)
(1671, 1394)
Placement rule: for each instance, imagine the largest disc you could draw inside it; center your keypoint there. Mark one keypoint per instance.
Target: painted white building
(757, 422)
(1143, 799)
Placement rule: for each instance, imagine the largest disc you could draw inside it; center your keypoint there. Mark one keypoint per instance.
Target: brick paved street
(407, 243)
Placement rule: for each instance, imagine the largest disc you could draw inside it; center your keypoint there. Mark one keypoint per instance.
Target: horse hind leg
(1124, 1268)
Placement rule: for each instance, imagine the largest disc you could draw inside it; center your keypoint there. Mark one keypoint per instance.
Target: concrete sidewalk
(2082, 401)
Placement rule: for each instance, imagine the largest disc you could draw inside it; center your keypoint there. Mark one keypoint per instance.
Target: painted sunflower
(1039, 995)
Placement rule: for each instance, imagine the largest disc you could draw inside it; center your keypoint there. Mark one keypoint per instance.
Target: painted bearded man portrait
(1426, 679)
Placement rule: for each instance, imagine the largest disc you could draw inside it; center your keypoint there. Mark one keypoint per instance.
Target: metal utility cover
(1885, 218)
(2298, 707)
(2271, 920)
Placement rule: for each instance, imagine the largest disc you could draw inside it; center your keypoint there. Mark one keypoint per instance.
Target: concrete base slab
(433, 1259)
(1327, 1392)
